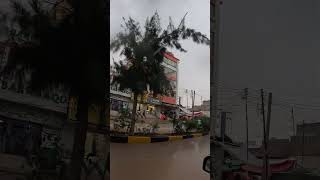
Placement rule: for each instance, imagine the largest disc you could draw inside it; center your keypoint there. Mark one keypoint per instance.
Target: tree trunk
(134, 112)
(80, 135)
(90, 37)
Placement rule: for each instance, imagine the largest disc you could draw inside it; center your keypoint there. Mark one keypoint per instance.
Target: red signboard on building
(171, 57)
(169, 100)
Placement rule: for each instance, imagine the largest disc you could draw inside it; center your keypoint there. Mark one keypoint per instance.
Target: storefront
(19, 137)
(119, 99)
(117, 105)
(23, 119)
(169, 110)
(149, 105)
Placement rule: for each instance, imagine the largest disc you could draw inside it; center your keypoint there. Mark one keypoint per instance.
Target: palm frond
(36, 6)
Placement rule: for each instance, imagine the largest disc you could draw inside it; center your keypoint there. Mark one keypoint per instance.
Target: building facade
(31, 122)
(167, 103)
(164, 104)
(204, 108)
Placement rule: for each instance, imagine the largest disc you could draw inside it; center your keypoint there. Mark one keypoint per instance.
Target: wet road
(160, 161)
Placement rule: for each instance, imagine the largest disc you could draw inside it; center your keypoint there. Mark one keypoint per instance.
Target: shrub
(190, 125)
(205, 124)
(177, 126)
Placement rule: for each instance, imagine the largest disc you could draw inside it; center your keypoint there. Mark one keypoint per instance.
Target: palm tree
(144, 52)
(70, 51)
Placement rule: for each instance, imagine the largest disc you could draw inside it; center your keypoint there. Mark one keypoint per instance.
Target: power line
(292, 104)
(253, 95)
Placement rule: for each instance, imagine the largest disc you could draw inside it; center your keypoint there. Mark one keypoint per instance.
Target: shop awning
(170, 105)
(120, 98)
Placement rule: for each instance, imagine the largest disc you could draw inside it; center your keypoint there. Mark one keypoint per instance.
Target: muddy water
(179, 160)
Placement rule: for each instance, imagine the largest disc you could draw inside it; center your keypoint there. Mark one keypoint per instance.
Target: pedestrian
(144, 114)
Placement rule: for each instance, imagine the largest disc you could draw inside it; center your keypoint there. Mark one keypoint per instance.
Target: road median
(152, 139)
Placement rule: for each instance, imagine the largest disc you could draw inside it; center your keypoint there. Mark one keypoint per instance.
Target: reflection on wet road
(178, 160)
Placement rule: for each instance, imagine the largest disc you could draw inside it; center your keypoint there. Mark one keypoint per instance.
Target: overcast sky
(194, 69)
(273, 45)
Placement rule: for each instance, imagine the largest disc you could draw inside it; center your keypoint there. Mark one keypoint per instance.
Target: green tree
(190, 125)
(205, 124)
(144, 52)
(71, 51)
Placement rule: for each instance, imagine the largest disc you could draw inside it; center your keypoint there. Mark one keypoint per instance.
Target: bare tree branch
(57, 3)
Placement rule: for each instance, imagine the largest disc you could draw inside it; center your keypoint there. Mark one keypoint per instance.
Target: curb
(153, 139)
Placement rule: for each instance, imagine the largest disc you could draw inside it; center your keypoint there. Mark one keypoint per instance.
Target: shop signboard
(94, 112)
(154, 101)
(169, 100)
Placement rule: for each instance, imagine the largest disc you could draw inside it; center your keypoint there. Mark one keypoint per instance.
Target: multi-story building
(30, 121)
(167, 103)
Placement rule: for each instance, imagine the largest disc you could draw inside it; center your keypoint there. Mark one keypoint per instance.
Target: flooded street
(160, 161)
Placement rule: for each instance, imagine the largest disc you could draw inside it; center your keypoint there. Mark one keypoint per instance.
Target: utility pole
(302, 155)
(264, 135)
(293, 124)
(269, 115)
(267, 135)
(247, 123)
(193, 93)
(223, 125)
(187, 98)
(216, 152)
